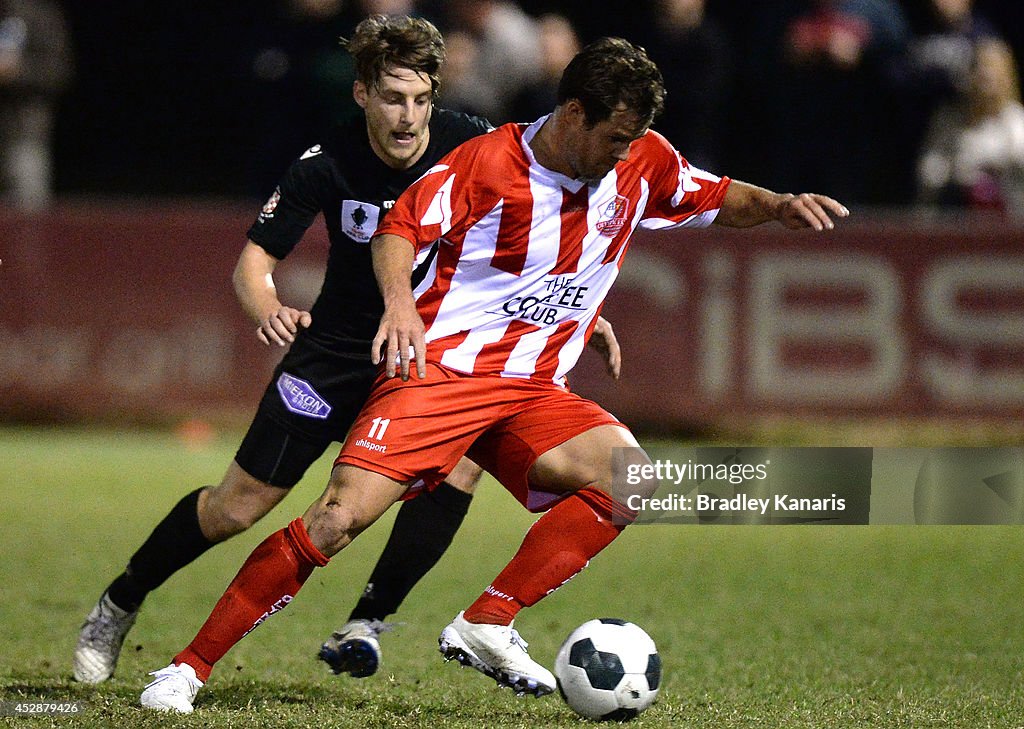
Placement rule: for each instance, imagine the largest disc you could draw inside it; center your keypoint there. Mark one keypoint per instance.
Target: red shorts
(419, 429)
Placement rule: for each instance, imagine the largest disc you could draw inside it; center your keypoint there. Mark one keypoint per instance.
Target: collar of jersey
(555, 178)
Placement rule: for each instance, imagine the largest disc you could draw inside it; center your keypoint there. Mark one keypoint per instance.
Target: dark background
(165, 102)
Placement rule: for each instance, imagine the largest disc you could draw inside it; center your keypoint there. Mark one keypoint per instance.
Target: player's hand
(604, 341)
(281, 326)
(401, 329)
(810, 210)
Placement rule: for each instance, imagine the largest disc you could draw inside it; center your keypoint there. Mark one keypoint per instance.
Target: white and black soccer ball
(608, 669)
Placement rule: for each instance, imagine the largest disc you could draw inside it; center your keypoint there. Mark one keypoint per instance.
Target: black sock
(175, 542)
(423, 530)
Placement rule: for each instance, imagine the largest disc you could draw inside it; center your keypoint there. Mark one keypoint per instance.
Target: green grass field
(805, 626)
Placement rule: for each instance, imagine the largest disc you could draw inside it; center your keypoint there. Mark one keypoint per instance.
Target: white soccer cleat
(173, 689)
(355, 649)
(100, 640)
(497, 651)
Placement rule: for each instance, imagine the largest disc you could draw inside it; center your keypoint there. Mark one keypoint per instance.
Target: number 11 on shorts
(379, 426)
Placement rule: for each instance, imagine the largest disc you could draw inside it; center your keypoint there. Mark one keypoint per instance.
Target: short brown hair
(382, 42)
(610, 72)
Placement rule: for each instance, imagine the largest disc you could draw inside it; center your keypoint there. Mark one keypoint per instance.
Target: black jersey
(354, 189)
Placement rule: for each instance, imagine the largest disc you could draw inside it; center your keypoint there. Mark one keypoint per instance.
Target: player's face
(594, 150)
(397, 115)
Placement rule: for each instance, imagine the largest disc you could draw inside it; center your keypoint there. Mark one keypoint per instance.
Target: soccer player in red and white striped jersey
(529, 253)
(533, 223)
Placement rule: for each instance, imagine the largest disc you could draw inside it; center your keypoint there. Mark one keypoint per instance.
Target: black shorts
(312, 399)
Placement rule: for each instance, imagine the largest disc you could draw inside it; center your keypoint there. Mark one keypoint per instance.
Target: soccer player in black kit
(323, 380)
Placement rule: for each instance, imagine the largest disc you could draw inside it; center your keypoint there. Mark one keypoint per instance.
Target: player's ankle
(192, 659)
(484, 615)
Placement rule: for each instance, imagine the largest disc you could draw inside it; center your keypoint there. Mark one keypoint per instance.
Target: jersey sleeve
(681, 196)
(423, 213)
(293, 206)
(447, 199)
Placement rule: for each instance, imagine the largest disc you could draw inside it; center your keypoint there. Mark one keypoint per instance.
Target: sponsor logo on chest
(559, 298)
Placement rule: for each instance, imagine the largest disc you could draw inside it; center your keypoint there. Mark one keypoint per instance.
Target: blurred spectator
(303, 78)
(558, 44)
(937, 68)
(462, 54)
(493, 52)
(973, 155)
(942, 52)
(302, 83)
(696, 58)
(35, 66)
(835, 98)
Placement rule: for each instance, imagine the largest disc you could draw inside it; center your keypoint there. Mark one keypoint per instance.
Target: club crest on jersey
(613, 216)
(300, 397)
(359, 220)
(270, 205)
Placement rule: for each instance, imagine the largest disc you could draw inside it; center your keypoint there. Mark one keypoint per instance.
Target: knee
(332, 526)
(233, 517)
(235, 505)
(635, 481)
(354, 499)
(465, 476)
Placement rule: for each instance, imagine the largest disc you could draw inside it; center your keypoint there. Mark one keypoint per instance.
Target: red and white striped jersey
(527, 255)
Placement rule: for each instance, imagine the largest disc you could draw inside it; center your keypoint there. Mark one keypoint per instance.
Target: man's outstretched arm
(746, 205)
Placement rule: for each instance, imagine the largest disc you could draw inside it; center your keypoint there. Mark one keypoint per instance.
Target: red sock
(556, 548)
(267, 582)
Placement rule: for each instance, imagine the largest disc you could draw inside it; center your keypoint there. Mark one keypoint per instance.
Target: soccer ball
(608, 669)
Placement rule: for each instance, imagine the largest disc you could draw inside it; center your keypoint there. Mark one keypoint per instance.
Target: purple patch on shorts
(300, 397)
